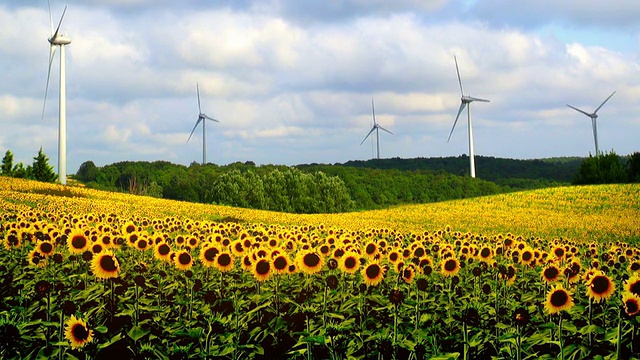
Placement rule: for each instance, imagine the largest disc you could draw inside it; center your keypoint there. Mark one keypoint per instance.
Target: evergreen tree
(7, 164)
(633, 167)
(41, 170)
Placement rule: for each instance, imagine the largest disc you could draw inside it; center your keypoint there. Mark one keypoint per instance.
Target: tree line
(609, 168)
(39, 170)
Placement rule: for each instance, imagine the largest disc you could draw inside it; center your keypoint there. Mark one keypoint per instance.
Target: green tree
(21, 172)
(41, 170)
(633, 167)
(87, 172)
(7, 164)
(601, 169)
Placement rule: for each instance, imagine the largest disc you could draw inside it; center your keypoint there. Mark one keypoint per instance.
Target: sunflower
(105, 265)
(162, 251)
(408, 273)
(128, 228)
(45, 248)
(142, 244)
(261, 269)
(77, 242)
(485, 254)
(371, 249)
(527, 256)
(224, 261)
(631, 304)
(12, 241)
(551, 273)
(208, 255)
(393, 256)
(600, 287)
(349, 263)
(450, 266)
(632, 285)
(558, 299)
(309, 261)
(281, 264)
(183, 260)
(77, 333)
(372, 274)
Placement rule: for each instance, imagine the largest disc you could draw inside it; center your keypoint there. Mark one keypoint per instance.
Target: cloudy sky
(292, 81)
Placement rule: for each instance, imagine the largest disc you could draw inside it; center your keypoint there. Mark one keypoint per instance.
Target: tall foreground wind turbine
(375, 128)
(201, 118)
(593, 117)
(465, 101)
(56, 40)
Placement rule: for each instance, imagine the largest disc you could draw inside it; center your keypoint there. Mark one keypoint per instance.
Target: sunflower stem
(61, 333)
(590, 318)
(619, 342)
(136, 306)
(560, 338)
(465, 334)
(324, 306)
(518, 343)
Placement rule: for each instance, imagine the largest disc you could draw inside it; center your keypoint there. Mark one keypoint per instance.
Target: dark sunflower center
(164, 249)
(108, 264)
(371, 249)
(450, 265)
(247, 261)
(631, 306)
(373, 271)
(418, 252)
(142, 244)
(13, 240)
(551, 273)
(407, 274)
(559, 252)
(130, 229)
(280, 263)
(485, 252)
(80, 333)
(210, 254)
(526, 256)
(46, 247)
(96, 248)
(78, 242)
(600, 284)
(311, 260)
(184, 258)
(559, 298)
(635, 288)
(224, 259)
(262, 267)
(393, 256)
(350, 262)
(133, 238)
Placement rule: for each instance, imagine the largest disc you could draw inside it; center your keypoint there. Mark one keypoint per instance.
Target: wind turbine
(201, 118)
(375, 128)
(56, 40)
(465, 101)
(593, 117)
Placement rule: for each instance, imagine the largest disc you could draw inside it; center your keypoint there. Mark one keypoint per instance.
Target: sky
(292, 82)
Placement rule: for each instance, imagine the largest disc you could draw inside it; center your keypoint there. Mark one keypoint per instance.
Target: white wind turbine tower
(593, 117)
(375, 128)
(56, 40)
(465, 101)
(201, 118)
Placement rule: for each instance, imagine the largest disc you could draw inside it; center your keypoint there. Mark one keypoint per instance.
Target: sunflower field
(546, 274)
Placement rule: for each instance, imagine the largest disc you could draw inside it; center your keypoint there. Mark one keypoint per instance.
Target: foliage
(633, 167)
(41, 170)
(7, 164)
(605, 168)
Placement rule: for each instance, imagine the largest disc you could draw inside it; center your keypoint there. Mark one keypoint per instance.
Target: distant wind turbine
(465, 101)
(57, 39)
(201, 118)
(593, 117)
(375, 128)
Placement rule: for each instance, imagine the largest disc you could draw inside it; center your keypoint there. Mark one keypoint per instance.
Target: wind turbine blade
(458, 72)
(596, 110)
(50, 18)
(373, 111)
(52, 53)
(210, 118)
(478, 99)
(462, 105)
(60, 23)
(576, 109)
(366, 137)
(198, 92)
(194, 129)
(383, 129)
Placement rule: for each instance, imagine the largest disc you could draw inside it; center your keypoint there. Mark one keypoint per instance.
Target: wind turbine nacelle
(60, 40)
